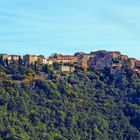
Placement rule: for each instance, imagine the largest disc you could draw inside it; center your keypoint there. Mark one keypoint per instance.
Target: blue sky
(68, 26)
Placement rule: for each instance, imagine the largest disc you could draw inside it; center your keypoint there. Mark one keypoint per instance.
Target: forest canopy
(83, 105)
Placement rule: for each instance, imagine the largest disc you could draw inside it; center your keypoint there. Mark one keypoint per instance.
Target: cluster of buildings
(32, 59)
(28, 59)
(97, 60)
(9, 58)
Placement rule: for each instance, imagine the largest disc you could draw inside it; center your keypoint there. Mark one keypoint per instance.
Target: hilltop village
(94, 60)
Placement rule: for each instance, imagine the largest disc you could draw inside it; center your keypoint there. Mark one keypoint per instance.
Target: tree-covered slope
(92, 105)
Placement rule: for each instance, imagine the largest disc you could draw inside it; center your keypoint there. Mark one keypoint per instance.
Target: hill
(83, 105)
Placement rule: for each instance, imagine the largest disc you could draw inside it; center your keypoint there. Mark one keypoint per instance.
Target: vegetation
(92, 105)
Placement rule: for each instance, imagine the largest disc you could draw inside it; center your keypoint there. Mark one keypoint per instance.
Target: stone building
(15, 58)
(49, 62)
(31, 59)
(131, 63)
(41, 59)
(92, 61)
(10, 58)
(58, 58)
(137, 62)
(85, 62)
(67, 69)
(102, 63)
(4, 56)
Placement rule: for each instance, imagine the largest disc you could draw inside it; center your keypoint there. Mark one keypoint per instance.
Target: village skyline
(46, 55)
(99, 60)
